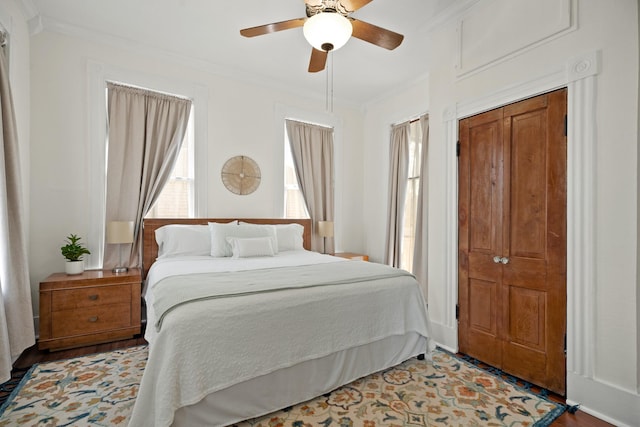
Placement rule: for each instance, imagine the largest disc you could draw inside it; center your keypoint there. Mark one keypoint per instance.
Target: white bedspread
(210, 345)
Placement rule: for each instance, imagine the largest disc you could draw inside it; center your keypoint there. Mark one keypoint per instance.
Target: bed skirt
(299, 383)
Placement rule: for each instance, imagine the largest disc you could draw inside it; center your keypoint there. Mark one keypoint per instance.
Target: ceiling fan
(328, 27)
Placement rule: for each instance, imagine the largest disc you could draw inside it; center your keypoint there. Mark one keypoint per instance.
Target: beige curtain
(312, 152)
(398, 175)
(16, 315)
(420, 268)
(146, 130)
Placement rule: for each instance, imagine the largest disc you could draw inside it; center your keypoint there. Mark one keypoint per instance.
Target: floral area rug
(94, 390)
(7, 388)
(99, 390)
(446, 391)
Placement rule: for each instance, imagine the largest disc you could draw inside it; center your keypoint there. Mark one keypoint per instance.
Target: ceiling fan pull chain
(332, 83)
(329, 83)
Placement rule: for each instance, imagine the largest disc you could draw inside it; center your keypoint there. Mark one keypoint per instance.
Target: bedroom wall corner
(408, 103)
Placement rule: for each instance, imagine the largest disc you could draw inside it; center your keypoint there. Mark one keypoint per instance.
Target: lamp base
(120, 270)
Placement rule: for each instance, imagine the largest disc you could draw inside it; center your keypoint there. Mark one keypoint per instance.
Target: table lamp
(325, 229)
(120, 232)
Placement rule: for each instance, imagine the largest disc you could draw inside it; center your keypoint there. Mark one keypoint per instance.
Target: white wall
(605, 381)
(242, 119)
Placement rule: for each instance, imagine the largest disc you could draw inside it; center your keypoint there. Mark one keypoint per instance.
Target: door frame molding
(579, 75)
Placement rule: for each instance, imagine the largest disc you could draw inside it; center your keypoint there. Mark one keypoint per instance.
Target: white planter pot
(74, 267)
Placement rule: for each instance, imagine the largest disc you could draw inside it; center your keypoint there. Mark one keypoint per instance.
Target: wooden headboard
(149, 227)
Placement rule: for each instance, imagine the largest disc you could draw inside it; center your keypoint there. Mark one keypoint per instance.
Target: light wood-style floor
(33, 355)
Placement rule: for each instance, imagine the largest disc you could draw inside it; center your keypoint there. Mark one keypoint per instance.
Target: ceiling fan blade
(273, 27)
(353, 5)
(318, 60)
(376, 35)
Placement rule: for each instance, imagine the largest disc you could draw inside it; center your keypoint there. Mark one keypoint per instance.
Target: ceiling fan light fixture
(327, 31)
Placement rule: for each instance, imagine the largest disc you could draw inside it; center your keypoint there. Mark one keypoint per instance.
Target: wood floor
(33, 355)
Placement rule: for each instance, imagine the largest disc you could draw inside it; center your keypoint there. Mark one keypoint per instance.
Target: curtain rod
(411, 120)
(148, 90)
(309, 123)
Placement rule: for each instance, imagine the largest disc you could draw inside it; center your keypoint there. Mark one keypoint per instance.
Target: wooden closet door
(512, 238)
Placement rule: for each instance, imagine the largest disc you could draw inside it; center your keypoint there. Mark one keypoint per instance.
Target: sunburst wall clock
(241, 175)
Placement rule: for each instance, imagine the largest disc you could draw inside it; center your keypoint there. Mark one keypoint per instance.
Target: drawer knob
(93, 297)
(93, 319)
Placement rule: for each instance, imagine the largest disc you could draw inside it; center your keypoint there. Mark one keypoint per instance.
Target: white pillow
(290, 237)
(243, 247)
(219, 233)
(183, 240)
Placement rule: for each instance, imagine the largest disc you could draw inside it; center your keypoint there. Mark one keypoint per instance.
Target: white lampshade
(325, 228)
(120, 232)
(327, 31)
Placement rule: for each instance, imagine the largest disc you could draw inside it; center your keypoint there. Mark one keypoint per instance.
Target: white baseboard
(445, 336)
(609, 403)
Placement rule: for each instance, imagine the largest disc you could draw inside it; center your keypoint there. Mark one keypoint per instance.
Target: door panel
(482, 312)
(485, 201)
(483, 321)
(512, 238)
(528, 186)
(527, 328)
(479, 222)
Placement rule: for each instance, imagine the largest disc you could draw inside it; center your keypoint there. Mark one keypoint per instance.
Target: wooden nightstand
(89, 308)
(353, 256)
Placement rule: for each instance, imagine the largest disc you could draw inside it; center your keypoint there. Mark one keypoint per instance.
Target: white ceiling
(205, 34)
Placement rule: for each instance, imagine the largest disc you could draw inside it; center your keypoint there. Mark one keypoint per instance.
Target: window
(411, 201)
(99, 75)
(294, 206)
(177, 197)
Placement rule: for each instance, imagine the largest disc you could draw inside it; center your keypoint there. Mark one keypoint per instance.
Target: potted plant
(73, 252)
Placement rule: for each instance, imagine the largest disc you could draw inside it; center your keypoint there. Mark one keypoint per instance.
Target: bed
(256, 322)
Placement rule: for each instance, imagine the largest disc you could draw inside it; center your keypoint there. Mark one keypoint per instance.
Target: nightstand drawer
(90, 320)
(72, 299)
